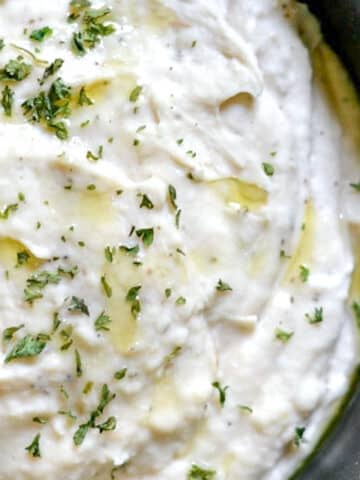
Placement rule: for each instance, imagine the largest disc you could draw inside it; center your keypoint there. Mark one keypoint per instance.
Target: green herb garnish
(198, 473)
(304, 273)
(9, 332)
(268, 169)
(135, 94)
(222, 392)
(83, 98)
(41, 34)
(77, 304)
(146, 202)
(51, 69)
(317, 317)
(78, 364)
(34, 447)
(15, 70)
(102, 322)
(106, 287)
(223, 286)
(282, 335)
(119, 375)
(299, 436)
(355, 186)
(146, 235)
(27, 347)
(7, 100)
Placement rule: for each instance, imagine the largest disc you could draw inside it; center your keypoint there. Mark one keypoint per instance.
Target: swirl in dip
(179, 232)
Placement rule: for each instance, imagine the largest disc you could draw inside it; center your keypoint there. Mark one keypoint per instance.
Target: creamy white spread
(179, 201)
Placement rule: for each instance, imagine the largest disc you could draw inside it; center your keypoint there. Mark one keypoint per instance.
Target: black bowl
(338, 454)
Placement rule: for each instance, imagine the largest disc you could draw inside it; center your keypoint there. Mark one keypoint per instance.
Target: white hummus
(179, 200)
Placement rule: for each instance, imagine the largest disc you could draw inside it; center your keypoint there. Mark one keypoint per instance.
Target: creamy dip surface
(179, 232)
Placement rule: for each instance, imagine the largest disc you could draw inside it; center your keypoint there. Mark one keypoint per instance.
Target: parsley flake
(146, 202)
(282, 335)
(102, 322)
(27, 347)
(355, 186)
(7, 100)
(119, 375)
(317, 317)
(223, 286)
(77, 304)
(9, 332)
(198, 473)
(146, 235)
(299, 436)
(41, 34)
(106, 287)
(135, 94)
(304, 273)
(268, 169)
(222, 392)
(34, 447)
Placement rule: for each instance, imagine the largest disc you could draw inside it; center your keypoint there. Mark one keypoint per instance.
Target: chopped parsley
(49, 107)
(105, 398)
(108, 425)
(7, 100)
(356, 310)
(37, 282)
(221, 391)
(76, 8)
(9, 332)
(56, 322)
(15, 70)
(78, 305)
(299, 436)
(22, 258)
(120, 374)
(88, 387)
(223, 286)
(168, 292)
(51, 70)
(282, 335)
(92, 26)
(66, 337)
(304, 273)
(41, 34)
(268, 169)
(172, 355)
(172, 196)
(102, 322)
(27, 347)
(78, 364)
(106, 287)
(245, 409)
(317, 317)
(177, 218)
(133, 251)
(83, 98)
(146, 235)
(355, 186)
(95, 156)
(135, 94)
(109, 253)
(199, 473)
(6, 211)
(146, 202)
(41, 420)
(180, 301)
(34, 447)
(132, 297)
(2, 43)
